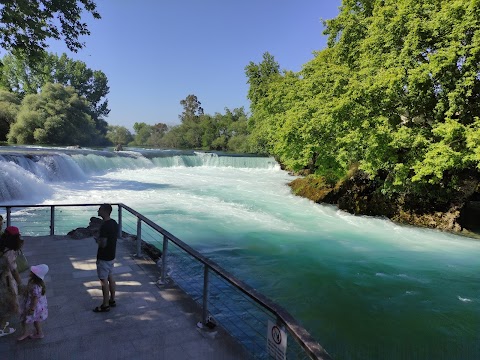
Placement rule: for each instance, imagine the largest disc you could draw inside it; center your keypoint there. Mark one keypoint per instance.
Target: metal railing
(240, 309)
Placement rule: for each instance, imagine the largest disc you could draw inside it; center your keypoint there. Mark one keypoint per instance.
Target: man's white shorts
(104, 268)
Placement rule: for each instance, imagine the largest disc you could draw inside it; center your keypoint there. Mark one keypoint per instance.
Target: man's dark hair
(107, 208)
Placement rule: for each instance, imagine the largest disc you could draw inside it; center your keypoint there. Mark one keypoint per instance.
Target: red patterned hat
(12, 230)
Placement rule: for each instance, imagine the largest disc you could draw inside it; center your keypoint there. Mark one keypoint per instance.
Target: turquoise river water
(364, 287)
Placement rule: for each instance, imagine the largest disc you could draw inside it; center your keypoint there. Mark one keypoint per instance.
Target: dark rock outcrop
(90, 231)
(93, 228)
(360, 195)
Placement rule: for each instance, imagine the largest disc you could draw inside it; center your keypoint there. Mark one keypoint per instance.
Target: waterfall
(29, 172)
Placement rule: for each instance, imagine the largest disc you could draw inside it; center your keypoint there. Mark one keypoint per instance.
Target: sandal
(112, 303)
(102, 308)
(4, 333)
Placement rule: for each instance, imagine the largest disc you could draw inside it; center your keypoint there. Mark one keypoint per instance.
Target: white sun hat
(39, 270)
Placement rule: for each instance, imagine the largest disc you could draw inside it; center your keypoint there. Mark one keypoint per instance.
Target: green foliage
(9, 106)
(157, 133)
(262, 78)
(174, 138)
(259, 75)
(119, 135)
(58, 115)
(396, 92)
(18, 76)
(142, 133)
(27, 25)
(224, 132)
(191, 109)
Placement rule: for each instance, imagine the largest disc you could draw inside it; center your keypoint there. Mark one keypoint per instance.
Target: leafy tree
(226, 132)
(259, 76)
(262, 78)
(158, 132)
(174, 138)
(9, 107)
(418, 66)
(23, 79)
(192, 109)
(396, 93)
(143, 132)
(192, 135)
(26, 25)
(191, 116)
(238, 141)
(225, 128)
(209, 132)
(55, 116)
(119, 135)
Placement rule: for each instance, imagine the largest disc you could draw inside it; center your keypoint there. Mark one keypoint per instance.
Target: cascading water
(365, 288)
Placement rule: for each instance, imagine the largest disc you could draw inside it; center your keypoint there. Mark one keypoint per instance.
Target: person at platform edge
(107, 243)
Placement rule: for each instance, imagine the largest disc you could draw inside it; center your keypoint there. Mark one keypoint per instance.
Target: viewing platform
(149, 322)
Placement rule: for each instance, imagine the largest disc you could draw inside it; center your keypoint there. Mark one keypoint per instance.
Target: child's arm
(33, 304)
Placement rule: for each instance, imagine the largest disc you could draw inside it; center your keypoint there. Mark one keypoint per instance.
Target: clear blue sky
(155, 53)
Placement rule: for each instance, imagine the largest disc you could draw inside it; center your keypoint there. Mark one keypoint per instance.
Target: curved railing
(282, 318)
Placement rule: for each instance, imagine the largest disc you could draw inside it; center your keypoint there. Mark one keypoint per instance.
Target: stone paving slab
(149, 322)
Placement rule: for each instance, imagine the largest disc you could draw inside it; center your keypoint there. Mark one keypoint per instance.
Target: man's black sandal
(101, 308)
(112, 303)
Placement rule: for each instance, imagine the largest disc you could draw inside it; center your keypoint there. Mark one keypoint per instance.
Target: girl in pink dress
(34, 306)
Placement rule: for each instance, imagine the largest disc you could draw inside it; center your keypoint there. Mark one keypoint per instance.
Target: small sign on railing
(276, 342)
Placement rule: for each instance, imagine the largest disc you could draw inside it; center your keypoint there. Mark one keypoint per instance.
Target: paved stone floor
(149, 322)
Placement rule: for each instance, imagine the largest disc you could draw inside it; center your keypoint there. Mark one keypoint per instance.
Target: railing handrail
(302, 336)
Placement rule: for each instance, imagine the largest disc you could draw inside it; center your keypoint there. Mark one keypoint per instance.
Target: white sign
(276, 342)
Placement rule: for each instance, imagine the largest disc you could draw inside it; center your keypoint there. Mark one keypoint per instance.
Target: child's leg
(25, 332)
(38, 330)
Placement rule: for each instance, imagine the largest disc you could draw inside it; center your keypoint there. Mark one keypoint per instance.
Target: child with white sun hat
(35, 307)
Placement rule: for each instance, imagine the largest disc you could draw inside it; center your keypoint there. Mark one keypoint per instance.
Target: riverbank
(359, 195)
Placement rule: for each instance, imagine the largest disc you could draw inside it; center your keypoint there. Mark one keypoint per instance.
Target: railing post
(52, 220)
(205, 295)
(164, 258)
(139, 237)
(9, 216)
(119, 221)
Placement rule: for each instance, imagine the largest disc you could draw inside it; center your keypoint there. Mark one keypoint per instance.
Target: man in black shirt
(107, 243)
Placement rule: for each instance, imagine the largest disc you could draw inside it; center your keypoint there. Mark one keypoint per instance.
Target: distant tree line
(223, 132)
(61, 101)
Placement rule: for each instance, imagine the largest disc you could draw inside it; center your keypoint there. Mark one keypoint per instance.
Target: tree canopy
(192, 109)
(223, 132)
(119, 135)
(9, 106)
(27, 25)
(57, 115)
(396, 92)
(16, 75)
